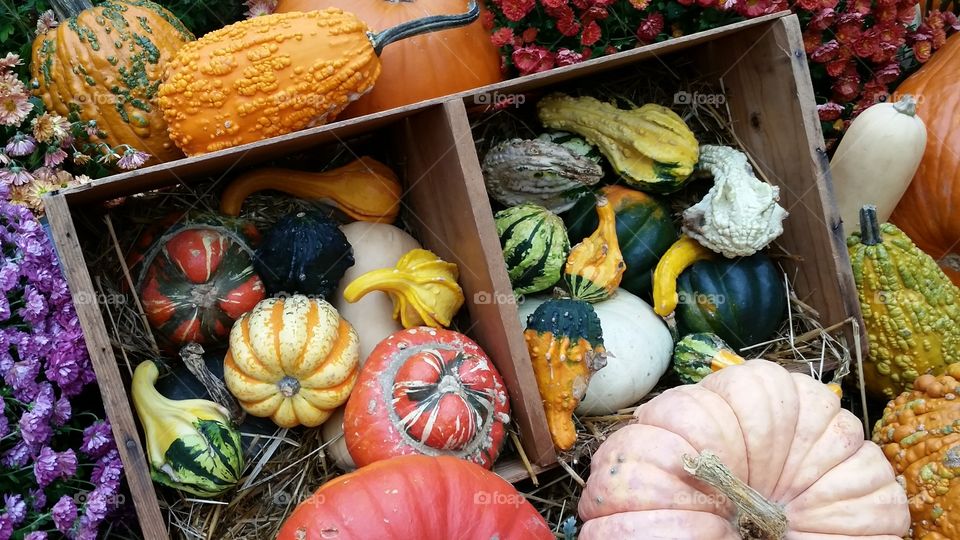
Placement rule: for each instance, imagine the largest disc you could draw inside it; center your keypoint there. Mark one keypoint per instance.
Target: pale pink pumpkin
(798, 461)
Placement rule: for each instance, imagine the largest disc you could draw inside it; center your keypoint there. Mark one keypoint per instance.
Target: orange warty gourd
(919, 435)
(929, 211)
(107, 61)
(421, 67)
(276, 74)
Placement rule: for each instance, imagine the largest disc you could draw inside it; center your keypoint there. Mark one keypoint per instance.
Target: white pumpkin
(639, 348)
(876, 160)
(375, 246)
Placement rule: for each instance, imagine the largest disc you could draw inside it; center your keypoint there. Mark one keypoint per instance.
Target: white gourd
(375, 246)
(639, 348)
(876, 160)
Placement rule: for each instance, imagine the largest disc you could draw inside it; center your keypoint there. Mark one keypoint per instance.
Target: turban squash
(421, 67)
(107, 61)
(789, 451)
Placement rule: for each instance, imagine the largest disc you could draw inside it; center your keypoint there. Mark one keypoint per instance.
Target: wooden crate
(760, 62)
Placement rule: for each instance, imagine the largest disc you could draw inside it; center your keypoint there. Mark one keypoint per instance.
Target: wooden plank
(771, 99)
(109, 381)
(514, 470)
(455, 220)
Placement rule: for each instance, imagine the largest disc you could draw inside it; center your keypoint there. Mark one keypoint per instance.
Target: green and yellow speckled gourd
(910, 308)
(276, 74)
(106, 62)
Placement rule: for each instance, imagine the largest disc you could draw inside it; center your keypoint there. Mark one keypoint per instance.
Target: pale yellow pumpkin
(293, 360)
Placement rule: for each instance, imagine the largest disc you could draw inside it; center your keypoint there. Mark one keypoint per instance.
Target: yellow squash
(678, 258)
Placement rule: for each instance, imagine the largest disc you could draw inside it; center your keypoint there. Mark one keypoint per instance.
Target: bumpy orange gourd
(107, 61)
(365, 190)
(422, 67)
(293, 360)
(919, 435)
(929, 211)
(276, 74)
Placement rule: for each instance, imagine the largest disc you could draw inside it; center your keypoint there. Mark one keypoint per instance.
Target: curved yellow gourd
(365, 189)
(595, 266)
(423, 288)
(683, 253)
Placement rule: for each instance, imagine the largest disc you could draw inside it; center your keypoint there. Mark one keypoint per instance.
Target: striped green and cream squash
(698, 355)
(535, 246)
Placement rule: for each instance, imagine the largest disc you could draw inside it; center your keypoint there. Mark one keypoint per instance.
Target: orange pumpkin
(929, 211)
(421, 67)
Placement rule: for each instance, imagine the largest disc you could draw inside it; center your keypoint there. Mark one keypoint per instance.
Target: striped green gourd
(192, 444)
(535, 246)
(698, 355)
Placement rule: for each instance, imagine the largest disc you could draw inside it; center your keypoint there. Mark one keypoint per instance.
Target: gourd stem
(192, 356)
(906, 105)
(869, 227)
(757, 517)
(424, 25)
(68, 9)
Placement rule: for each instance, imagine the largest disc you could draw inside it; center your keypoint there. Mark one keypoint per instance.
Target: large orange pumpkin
(929, 212)
(421, 67)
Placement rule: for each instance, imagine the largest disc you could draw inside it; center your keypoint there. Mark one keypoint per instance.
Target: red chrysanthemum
(811, 40)
(533, 59)
(610, 49)
(604, 3)
(828, 4)
(822, 19)
(939, 38)
(553, 4)
(809, 5)
(829, 111)
(862, 7)
(867, 45)
(836, 67)
(568, 26)
(529, 35)
(848, 33)
(686, 2)
(846, 88)
(516, 10)
(906, 15)
(885, 14)
(591, 34)
(825, 52)
(922, 50)
(640, 4)
(650, 27)
(502, 37)
(707, 3)
(891, 33)
(887, 74)
(874, 92)
(597, 13)
(486, 19)
(755, 8)
(566, 57)
(581, 4)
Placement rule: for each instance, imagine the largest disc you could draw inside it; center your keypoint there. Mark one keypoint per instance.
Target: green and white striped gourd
(698, 355)
(535, 246)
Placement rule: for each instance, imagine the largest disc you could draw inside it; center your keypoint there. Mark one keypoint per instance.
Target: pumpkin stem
(424, 25)
(68, 9)
(757, 517)
(907, 105)
(192, 356)
(869, 227)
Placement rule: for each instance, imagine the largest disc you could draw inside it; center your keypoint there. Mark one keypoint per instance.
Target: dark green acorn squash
(644, 231)
(741, 300)
(304, 253)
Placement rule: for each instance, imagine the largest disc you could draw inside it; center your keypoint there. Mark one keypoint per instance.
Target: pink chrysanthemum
(256, 8)
(20, 145)
(132, 159)
(46, 22)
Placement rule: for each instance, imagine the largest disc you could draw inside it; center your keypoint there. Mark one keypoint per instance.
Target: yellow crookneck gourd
(595, 266)
(650, 146)
(910, 308)
(683, 253)
(565, 343)
(423, 288)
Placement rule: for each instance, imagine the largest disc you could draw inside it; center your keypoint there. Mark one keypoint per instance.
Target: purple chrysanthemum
(64, 513)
